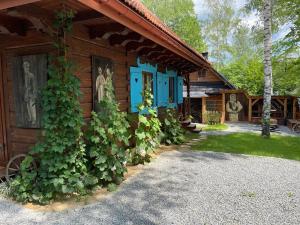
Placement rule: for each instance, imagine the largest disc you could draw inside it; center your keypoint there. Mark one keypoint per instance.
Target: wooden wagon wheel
(14, 164)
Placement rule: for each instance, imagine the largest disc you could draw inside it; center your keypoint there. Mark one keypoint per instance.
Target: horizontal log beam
(41, 19)
(105, 32)
(13, 25)
(125, 39)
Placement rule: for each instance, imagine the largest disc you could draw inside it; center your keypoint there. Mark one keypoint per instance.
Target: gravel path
(189, 188)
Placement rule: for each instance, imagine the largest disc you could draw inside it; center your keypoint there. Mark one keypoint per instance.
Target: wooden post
(223, 108)
(294, 108)
(250, 110)
(203, 109)
(285, 108)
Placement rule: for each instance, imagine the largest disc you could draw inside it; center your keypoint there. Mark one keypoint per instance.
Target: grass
(215, 127)
(252, 144)
(188, 136)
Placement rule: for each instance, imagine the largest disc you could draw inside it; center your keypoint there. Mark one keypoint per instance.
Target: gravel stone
(189, 188)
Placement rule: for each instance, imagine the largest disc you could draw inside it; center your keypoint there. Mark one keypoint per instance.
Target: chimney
(205, 55)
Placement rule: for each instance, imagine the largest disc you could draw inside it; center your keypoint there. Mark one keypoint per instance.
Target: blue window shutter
(165, 90)
(160, 89)
(154, 78)
(136, 88)
(179, 89)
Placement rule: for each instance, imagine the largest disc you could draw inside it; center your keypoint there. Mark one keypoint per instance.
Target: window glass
(171, 89)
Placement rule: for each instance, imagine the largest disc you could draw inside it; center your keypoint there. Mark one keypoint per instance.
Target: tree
(284, 12)
(286, 67)
(218, 27)
(286, 63)
(246, 73)
(267, 68)
(180, 16)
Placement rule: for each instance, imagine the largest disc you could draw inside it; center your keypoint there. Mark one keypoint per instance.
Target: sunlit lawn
(252, 144)
(215, 127)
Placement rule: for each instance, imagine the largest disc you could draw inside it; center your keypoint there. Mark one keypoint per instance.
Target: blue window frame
(139, 77)
(166, 87)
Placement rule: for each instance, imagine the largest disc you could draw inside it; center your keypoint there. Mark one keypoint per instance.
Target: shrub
(171, 128)
(107, 140)
(212, 117)
(148, 130)
(61, 154)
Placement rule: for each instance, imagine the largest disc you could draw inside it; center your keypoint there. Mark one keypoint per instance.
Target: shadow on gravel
(139, 201)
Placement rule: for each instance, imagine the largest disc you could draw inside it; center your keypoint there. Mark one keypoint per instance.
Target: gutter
(131, 19)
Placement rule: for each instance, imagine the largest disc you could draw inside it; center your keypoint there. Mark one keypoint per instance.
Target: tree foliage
(246, 74)
(218, 27)
(285, 16)
(107, 140)
(180, 16)
(148, 130)
(284, 12)
(241, 46)
(171, 128)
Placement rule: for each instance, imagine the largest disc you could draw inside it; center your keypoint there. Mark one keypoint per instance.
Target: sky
(250, 20)
(200, 8)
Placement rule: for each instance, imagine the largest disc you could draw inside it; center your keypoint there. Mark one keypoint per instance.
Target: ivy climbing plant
(108, 139)
(61, 154)
(171, 128)
(148, 130)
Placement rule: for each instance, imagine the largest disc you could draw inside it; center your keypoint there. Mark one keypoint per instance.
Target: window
(147, 81)
(171, 89)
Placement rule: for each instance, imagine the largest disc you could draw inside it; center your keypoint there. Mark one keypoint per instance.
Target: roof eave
(123, 14)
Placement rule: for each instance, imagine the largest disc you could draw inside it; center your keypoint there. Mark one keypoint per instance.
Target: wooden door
(2, 121)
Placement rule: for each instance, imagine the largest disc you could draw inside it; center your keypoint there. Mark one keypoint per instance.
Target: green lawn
(215, 127)
(252, 144)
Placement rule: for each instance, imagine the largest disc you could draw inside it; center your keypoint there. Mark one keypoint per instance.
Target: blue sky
(250, 20)
(201, 10)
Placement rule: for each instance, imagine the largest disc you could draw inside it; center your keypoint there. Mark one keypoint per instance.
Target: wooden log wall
(81, 50)
(18, 140)
(210, 77)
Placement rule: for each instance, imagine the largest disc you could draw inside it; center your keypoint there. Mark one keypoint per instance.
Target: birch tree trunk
(267, 14)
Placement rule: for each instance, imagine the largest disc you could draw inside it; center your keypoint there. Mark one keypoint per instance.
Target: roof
(142, 10)
(198, 90)
(135, 16)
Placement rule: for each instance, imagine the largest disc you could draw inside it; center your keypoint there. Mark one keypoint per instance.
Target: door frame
(3, 157)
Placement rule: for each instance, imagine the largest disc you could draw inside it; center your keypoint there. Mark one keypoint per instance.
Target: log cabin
(210, 91)
(119, 37)
(205, 92)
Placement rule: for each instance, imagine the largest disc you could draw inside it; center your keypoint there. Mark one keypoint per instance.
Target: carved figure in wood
(109, 75)
(30, 95)
(100, 83)
(233, 107)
